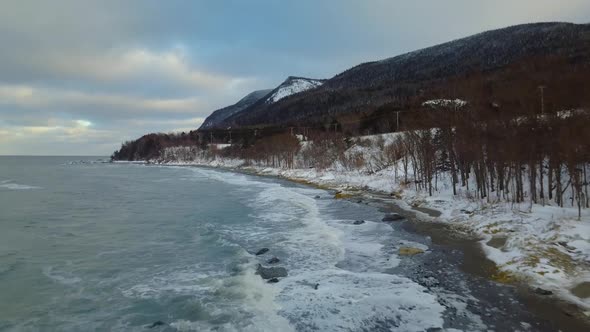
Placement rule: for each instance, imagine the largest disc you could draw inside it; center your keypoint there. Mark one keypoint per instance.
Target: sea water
(89, 245)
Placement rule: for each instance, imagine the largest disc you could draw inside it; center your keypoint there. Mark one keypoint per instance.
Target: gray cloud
(80, 76)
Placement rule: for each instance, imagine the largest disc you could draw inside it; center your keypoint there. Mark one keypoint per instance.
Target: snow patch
(445, 103)
(291, 87)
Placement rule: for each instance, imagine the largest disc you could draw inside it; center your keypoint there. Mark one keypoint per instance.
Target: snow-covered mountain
(258, 101)
(291, 86)
(551, 49)
(221, 114)
(545, 51)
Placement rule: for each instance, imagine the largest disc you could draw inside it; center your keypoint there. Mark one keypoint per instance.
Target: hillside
(497, 74)
(221, 114)
(483, 52)
(291, 86)
(540, 52)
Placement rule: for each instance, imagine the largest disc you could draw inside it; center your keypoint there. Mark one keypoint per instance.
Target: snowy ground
(545, 246)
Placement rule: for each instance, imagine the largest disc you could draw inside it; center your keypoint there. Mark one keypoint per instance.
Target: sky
(79, 77)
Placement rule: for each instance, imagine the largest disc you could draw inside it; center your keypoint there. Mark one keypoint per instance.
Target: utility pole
(542, 88)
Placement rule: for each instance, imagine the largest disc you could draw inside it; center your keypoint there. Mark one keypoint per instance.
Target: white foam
(347, 301)
(8, 184)
(308, 241)
(63, 278)
(182, 282)
(350, 299)
(245, 297)
(368, 247)
(236, 179)
(356, 295)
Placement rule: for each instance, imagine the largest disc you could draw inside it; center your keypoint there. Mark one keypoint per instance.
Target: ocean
(87, 245)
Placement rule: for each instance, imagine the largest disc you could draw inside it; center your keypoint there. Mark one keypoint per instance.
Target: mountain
(502, 75)
(542, 54)
(483, 51)
(221, 114)
(291, 86)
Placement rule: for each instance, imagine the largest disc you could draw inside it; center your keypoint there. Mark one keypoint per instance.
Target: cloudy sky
(79, 77)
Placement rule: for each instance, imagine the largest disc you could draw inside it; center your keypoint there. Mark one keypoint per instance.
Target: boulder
(157, 323)
(542, 291)
(262, 251)
(271, 272)
(393, 217)
(273, 280)
(566, 246)
(358, 222)
(318, 197)
(273, 260)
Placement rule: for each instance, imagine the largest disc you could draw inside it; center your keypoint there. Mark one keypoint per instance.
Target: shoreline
(566, 314)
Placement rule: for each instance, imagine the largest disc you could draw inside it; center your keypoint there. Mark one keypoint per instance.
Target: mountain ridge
(535, 38)
(290, 86)
(221, 114)
(395, 80)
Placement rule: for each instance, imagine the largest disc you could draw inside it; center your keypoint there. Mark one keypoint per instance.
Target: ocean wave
(87, 162)
(294, 216)
(8, 267)
(64, 278)
(368, 247)
(236, 301)
(348, 301)
(247, 299)
(188, 281)
(337, 271)
(236, 179)
(10, 185)
(347, 263)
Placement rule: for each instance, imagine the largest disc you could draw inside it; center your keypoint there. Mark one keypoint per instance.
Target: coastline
(427, 220)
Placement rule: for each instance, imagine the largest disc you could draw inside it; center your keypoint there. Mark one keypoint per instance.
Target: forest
(541, 158)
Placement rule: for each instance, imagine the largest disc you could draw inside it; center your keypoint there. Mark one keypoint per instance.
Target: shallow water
(96, 246)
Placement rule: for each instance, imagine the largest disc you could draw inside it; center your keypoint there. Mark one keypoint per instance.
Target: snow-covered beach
(543, 246)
